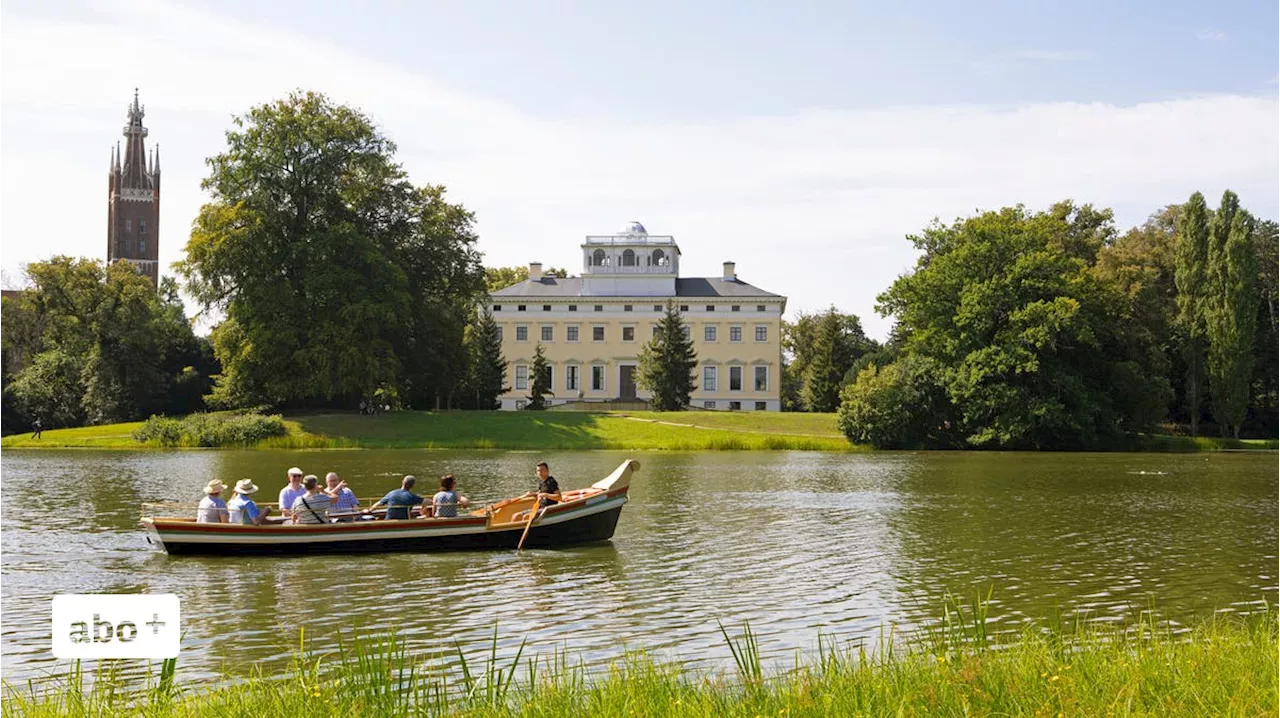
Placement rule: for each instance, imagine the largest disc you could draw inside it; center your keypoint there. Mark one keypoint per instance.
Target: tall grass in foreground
(1220, 667)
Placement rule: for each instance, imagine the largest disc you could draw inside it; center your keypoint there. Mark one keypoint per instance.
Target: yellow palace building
(592, 327)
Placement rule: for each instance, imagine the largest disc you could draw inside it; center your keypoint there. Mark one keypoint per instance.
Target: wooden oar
(533, 514)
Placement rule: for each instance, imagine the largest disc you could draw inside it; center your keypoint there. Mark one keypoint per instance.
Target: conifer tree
(488, 367)
(666, 364)
(540, 382)
(1190, 279)
(1232, 320)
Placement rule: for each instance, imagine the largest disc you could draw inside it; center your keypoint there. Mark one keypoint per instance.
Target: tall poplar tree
(1232, 323)
(666, 364)
(1191, 282)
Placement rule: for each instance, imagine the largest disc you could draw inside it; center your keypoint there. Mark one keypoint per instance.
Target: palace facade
(592, 327)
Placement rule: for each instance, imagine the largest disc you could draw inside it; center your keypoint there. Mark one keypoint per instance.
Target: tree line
(1050, 330)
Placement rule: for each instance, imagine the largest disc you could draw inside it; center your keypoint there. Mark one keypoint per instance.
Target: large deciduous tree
(93, 343)
(667, 362)
(822, 347)
(338, 277)
(1032, 346)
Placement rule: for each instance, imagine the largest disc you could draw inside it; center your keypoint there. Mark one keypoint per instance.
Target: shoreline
(569, 431)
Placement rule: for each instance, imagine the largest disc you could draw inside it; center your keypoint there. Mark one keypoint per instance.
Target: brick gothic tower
(133, 199)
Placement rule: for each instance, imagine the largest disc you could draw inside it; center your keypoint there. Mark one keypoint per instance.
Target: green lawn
(567, 430)
(510, 430)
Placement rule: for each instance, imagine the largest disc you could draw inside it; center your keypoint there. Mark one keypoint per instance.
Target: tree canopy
(338, 277)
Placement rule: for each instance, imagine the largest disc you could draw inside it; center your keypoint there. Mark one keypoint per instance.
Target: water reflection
(796, 543)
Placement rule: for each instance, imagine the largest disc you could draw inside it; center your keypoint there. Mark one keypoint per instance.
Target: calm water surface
(796, 543)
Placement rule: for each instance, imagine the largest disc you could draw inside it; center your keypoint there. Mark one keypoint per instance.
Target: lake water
(796, 543)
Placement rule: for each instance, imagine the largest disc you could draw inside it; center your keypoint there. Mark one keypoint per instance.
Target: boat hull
(555, 529)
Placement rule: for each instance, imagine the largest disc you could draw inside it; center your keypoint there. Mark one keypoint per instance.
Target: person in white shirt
(212, 509)
(291, 491)
(312, 507)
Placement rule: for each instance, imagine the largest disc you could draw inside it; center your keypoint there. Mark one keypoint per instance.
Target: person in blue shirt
(241, 509)
(400, 501)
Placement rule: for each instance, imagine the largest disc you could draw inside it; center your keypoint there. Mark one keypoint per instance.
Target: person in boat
(212, 509)
(548, 492)
(401, 501)
(241, 509)
(344, 499)
(291, 491)
(313, 506)
(444, 505)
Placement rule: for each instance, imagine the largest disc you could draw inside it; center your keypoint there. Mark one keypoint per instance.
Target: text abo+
(116, 625)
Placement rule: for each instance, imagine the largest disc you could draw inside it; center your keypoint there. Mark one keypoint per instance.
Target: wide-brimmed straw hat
(215, 487)
(245, 486)
(295, 471)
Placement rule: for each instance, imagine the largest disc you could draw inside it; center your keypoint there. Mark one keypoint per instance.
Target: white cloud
(812, 204)
(1211, 35)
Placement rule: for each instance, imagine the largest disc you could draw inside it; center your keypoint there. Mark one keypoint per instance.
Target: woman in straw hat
(241, 509)
(212, 509)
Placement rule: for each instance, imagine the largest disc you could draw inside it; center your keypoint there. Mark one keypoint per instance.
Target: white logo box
(116, 625)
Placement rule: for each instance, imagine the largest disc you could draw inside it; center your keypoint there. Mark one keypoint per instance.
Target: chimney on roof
(535, 271)
(728, 271)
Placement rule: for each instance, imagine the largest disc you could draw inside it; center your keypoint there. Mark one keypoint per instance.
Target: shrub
(898, 406)
(210, 430)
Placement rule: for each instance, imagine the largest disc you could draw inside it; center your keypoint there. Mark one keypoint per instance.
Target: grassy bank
(562, 430)
(1222, 667)
(682, 431)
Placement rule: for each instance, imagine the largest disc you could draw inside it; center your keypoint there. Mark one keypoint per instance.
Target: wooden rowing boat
(585, 515)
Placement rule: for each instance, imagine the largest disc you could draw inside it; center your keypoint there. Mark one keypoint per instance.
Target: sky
(804, 143)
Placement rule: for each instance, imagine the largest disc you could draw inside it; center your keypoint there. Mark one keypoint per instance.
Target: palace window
(737, 307)
(573, 307)
(519, 307)
(708, 405)
(628, 258)
(762, 406)
(709, 333)
(626, 307)
(762, 378)
(735, 333)
(597, 258)
(735, 406)
(546, 307)
(762, 333)
(597, 378)
(522, 377)
(735, 378)
(548, 333)
(659, 258)
(546, 376)
(571, 377)
(711, 307)
(657, 307)
(708, 378)
(142, 226)
(571, 334)
(628, 334)
(599, 307)
(684, 307)
(522, 333)
(761, 308)
(597, 334)
(497, 307)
